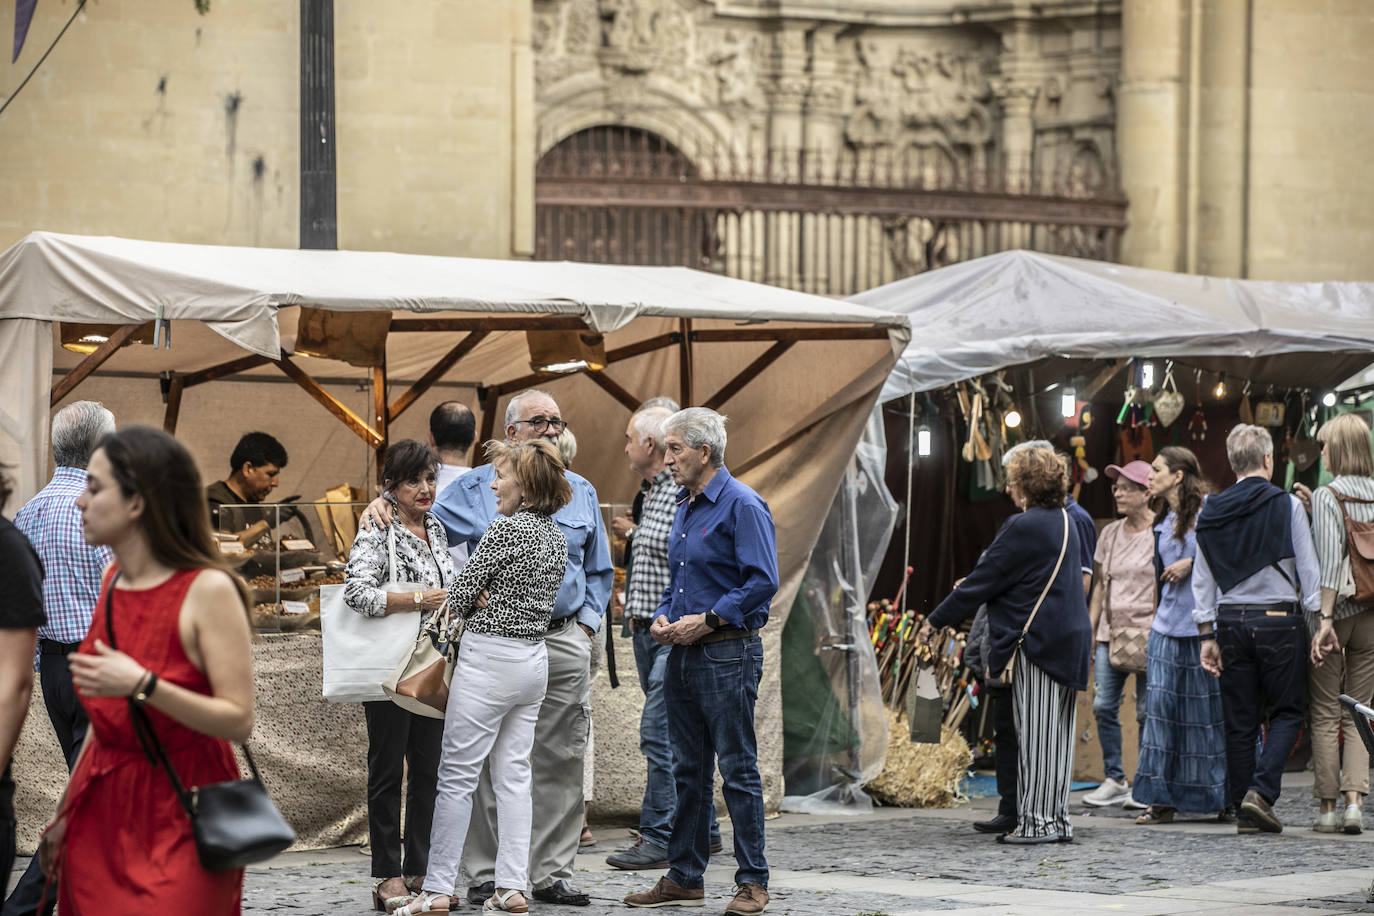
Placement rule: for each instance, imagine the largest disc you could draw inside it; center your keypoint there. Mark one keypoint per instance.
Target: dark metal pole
(319, 200)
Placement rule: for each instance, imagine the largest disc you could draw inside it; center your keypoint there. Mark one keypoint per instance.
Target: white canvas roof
(1021, 306)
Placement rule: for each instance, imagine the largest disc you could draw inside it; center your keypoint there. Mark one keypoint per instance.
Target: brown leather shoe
(669, 893)
(749, 900)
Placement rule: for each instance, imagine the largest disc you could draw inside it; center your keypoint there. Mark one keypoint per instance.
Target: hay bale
(920, 775)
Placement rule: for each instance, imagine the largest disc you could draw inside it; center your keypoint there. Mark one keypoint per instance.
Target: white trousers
(493, 704)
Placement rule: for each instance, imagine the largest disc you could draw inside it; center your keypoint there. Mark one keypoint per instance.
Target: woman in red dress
(181, 624)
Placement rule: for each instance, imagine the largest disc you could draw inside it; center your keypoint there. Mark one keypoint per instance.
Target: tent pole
(748, 374)
(614, 389)
(169, 418)
(332, 404)
(92, 362)
(684, 363)
(910, 473)
(436, 372)
(490, 397)
(380, 414)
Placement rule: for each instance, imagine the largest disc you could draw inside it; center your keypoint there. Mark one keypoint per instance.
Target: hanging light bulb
(923, 441)
(1012, 418)
(1329, 399)
(1220, 390)
(1147, 375)
(1068, 402)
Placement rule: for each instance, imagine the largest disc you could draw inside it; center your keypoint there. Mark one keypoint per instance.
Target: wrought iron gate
(834, 225)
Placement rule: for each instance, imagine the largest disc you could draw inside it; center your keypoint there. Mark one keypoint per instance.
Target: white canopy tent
(1018, 307)
(799, 374)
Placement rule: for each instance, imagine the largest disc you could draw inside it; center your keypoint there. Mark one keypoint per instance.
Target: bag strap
(1107, 577)
(1063, 546)
(1342, 499)
(143, 725)
(391, 547)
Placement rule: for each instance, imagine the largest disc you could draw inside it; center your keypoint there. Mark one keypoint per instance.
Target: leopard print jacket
(520, 561)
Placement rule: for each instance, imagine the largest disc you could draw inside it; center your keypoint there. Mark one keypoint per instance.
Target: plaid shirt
(649, 574)
(72, 568)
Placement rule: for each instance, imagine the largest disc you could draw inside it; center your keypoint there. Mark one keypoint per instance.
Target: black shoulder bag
(234, 823)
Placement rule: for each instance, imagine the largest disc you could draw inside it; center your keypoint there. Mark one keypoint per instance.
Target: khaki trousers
(1349, 671)
(560, 740)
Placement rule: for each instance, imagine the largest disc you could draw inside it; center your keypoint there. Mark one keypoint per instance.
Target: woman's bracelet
(146, 685)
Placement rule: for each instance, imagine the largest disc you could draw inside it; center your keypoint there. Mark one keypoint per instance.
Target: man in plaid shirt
(648, 577)
(71, 586)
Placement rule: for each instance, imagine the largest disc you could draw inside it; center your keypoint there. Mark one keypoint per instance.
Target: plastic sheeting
(834, 722)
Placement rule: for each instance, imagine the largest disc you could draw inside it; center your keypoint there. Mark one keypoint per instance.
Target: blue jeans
(660, 793)
(1109, 685)
(711, 690)
(1264, 663)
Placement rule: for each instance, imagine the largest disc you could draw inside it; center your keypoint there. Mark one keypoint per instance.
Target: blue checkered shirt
(649, 573)
(71, 581)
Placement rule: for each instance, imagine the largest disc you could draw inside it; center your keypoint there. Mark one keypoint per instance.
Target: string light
(1068, 402)
(923, 441)
(1012, 419)
(1147, 375)
(1329, 399)
(1220, 390)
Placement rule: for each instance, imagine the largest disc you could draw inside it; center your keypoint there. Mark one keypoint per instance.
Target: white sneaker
(1130, 804)
(1353, 820)
(1110, 792)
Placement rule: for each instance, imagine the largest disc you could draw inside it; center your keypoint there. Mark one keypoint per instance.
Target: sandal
(500, 903)
(386, 904)
(423, 902)
(1156, 814)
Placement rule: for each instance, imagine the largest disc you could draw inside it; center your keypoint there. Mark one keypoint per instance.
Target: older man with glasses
(466, 509)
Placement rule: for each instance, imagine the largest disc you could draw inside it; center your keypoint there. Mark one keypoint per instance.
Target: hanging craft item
(1169, 403)
(1305, 449)
(1269, 413)
(1197, 426)
(1245, 413)
(1134, 419)
(1080, 471)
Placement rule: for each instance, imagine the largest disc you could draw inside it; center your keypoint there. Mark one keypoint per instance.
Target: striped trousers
(1045, 722)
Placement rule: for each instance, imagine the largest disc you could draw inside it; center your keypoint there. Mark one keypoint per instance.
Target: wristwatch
(145, 689)
(419, 599)
(713, 620)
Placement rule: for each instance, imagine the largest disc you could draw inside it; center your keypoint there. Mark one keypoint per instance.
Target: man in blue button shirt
(723, 560)
(466, 508)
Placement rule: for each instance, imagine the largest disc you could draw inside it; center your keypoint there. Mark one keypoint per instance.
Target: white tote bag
(360, 652)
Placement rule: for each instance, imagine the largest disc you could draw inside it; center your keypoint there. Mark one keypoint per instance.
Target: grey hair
(567, 447)
(1022, 446)
(1246, 446)
(513, 408)
(76, 431)
(648, 423)
(700, 426)
(661, 401)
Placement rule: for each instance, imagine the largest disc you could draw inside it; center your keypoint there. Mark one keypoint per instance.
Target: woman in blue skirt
(1182, 765)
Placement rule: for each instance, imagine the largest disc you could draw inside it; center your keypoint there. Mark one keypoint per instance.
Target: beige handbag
(420, 683)
(1011, 660)
(1125, 645)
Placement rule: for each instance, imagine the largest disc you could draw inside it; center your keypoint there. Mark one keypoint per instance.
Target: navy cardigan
(1009, 576)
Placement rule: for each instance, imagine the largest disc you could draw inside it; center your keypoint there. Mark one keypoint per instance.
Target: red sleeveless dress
(128, 849)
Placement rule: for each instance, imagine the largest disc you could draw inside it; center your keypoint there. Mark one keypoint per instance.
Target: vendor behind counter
(255, 467)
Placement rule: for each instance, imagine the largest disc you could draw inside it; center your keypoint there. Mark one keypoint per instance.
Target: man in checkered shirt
(71, 585)
(647, 578)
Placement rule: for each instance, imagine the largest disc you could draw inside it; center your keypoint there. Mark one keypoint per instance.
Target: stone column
(1150, 128)
(1224, 127)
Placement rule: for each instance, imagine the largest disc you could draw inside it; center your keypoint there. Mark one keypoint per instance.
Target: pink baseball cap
(1136, 472)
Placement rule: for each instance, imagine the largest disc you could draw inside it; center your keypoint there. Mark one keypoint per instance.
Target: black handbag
(234, 823)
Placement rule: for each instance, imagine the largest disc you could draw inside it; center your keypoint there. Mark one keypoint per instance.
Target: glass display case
(618, 556)
(286, 551)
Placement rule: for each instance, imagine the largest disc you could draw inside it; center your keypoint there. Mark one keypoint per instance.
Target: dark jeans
(1264, 665)
(396, 738)
(711, 691)
(69, 721)
(1008, 747)
(660, 792)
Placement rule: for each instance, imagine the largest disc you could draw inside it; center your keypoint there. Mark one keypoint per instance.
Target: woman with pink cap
(1123, 596)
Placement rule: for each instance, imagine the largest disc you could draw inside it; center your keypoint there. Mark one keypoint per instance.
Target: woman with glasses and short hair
(1123, 596)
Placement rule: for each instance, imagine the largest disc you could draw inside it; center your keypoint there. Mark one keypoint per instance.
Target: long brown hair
(1191, 489)
(176, 517)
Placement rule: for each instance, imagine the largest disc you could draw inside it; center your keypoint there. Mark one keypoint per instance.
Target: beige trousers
(1350, 671)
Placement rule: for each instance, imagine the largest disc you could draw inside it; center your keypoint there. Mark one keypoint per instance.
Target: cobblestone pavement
(896, 862)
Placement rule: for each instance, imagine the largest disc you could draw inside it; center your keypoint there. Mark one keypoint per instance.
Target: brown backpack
(1359, 542)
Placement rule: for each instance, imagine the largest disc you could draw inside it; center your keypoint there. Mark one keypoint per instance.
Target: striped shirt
(71, 583)
(1328, 532)
(649, 573)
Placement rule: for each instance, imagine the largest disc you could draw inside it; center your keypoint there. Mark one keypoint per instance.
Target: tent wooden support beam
(776, 448)
(748, 374)
(92, 362)
(527, 381)
(490, 397)
(330, 403)
(614, 389)
(380, 414)
(212, 373)
(169, 418)
(515, 323)
(728, 335)
(648, 345)
(436, 372)
(684, 362)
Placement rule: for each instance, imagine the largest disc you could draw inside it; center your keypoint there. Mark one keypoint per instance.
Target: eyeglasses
(1118, 488)
(540, 424)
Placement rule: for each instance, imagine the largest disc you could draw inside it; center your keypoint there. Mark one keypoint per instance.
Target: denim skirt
(1183, 745)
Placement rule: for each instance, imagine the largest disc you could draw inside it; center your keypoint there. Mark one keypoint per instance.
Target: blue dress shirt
(1174, 616)
(467, 507)
(722, 555)
(1300, 580)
